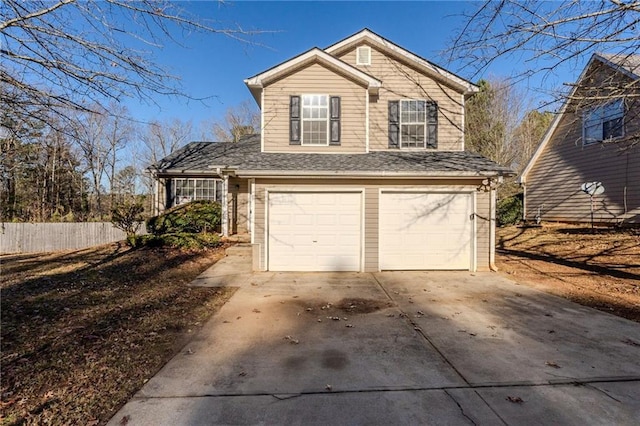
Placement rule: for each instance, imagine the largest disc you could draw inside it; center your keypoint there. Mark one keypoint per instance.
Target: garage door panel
(326, 219)
(314, 231)
(425, 231)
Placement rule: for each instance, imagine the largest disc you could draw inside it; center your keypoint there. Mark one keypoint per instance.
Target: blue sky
(215, 65)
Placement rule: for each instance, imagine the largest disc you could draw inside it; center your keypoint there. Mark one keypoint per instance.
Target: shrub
(179, 240)
(193, 217)
(509, 210)
(127, 216)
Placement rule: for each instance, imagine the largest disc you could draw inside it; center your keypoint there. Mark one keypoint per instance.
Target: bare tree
(492, 118)
(543, 35)
(528, 135)
(119, 132)
(73, 55)
(240, 120)
(90, 136)
(500, 124)
(161, 138)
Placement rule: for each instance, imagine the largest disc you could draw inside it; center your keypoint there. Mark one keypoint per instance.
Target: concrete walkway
(394, 348)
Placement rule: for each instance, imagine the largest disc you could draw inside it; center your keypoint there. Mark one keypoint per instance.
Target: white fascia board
(467, 86)
(257, 81)
(179, 172)
(296, 174)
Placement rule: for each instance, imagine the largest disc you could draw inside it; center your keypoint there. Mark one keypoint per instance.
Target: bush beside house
(194, 225)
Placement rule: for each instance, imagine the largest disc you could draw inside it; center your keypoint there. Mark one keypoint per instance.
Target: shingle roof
(244, 156)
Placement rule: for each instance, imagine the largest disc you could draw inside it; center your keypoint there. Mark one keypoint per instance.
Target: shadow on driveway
(431, 348)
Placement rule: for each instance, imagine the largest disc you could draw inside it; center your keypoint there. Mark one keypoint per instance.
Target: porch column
(225, 206)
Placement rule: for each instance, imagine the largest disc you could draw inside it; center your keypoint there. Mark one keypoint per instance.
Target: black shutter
(294, 120)
(334, 120)
(432, 124)
(394, 124)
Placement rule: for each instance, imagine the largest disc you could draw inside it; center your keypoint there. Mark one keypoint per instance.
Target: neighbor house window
(413, 123)
(191, 189)
(314, 120)
(603, 122)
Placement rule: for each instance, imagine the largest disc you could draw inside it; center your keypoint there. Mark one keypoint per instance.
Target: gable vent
(363, 55)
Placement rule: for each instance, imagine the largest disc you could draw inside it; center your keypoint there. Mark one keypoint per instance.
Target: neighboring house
(360, 166)
(594, 138)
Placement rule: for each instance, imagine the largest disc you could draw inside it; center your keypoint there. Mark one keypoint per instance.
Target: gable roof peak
(257, 82)
(391, 48)
(626, 63)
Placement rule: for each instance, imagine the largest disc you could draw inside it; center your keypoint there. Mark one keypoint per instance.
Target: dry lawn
(598, 268)
(82, 331)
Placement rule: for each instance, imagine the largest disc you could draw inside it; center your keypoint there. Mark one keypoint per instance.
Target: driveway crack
(601, 391)
(460, 407)
(491, 408)
(419, 330)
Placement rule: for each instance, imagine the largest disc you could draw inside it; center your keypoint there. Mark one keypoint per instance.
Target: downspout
(492, 232)
(252, 206)
(523, 184)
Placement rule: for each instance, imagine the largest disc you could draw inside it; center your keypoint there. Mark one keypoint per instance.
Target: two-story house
(359, 166)
(594, 140)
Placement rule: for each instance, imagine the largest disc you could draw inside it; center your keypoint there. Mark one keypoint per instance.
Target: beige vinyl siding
(314, 79)
(400, 81)
(259, 224)
(371, 203)
(371, 219)
(483, 229)
(553, 183)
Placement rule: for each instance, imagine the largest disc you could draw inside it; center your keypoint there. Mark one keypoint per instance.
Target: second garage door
(315, 231)
(425, 231)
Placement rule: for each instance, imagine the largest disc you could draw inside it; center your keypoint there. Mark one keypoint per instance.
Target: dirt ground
(82, 331)
(599, 268)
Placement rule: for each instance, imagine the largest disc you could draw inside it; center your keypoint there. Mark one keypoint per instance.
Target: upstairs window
(603, 122)
(413, 123)
(363, 55)
(314, 120)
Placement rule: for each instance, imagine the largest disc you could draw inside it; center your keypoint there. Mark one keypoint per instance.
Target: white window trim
(598, 109)
(326, 121)
(359, 58)
(195, 196)
(425, 124)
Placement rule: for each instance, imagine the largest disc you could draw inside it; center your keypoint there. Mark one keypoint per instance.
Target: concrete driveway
(396, 348)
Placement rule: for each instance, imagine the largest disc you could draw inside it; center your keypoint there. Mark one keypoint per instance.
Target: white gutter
(294, 174)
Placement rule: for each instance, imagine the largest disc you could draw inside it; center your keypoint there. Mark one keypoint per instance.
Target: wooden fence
(37, 237)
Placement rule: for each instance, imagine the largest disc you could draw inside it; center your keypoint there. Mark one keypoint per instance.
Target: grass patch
(83, 331)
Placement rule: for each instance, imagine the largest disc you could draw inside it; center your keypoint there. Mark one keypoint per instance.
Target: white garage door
(314, 231)
(425, 231)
